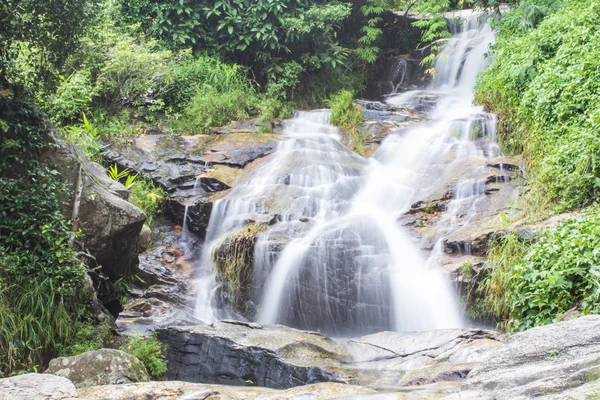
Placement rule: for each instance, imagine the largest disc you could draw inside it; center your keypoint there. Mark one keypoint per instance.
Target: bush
(210, 108)
(150, 351)
(348, 116)
(191, 75)
(148, 197)
(545, 84)
(73, 97)
(344, 113)
(135, 72)
(40, 276)
(559, 271)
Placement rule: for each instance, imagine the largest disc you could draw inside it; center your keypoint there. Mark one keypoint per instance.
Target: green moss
(233, 256)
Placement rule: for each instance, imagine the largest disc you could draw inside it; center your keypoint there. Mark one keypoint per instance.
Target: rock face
(36, 387)
(102, 367)
(561, 360)
(236, 353)
(397, 359)
(162, 293)
(193, 168)
(279, 357)
(110, 224)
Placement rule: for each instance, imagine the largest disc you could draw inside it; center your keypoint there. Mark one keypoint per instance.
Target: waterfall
(337, 260)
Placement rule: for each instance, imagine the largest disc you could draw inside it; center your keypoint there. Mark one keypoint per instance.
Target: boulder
(235, 353)
(411, 359)
(276, 356)
(557, 361)
(110, 223)
(36, 387)
(101, 367)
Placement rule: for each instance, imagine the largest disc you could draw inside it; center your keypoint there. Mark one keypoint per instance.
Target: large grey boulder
(559, 361)
(36, 387)
(276, 356)
(101, 367)
(99, 205)
(237, 353)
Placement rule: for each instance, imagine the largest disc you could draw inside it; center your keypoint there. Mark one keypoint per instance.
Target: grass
(150, 351)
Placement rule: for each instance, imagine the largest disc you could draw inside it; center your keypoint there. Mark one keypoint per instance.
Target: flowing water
(337, 260)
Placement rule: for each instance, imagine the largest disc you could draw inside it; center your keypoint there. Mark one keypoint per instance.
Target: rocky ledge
(280, 357)
(558, 361)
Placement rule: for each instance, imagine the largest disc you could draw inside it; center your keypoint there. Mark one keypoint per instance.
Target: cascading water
(337, 260)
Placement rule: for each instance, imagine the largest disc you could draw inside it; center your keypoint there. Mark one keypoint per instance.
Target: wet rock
(145, 238)
(234, 353)
(561, 360)
(36, 387)
(198, 212)
(277, 356)
(184, 390)
(195, 167)
(233, 257)
(394, 359)
(101, 367)
(162, 293)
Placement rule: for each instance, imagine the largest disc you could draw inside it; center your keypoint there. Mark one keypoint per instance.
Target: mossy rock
(233, 256)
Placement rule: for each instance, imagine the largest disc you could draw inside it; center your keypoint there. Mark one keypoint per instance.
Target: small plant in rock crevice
(150, 351)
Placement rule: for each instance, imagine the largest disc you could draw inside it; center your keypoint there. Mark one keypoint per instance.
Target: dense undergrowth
(43, 311)
(544, 83)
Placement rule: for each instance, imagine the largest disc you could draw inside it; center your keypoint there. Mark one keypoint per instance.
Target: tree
(51, 28)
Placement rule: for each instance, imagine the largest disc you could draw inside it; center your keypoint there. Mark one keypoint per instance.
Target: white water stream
(337, 260)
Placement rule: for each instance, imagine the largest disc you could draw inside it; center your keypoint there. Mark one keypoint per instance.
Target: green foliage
(348, 116)
(86, 137)
(148, 197)
(40, 276)
(371, 32)
(434, 28)
(86, 337)
(135, 73)
(559, 271)
(193, 74)
(53, 28)
(253, 33)
(545, 84)
(344, 113)
(209, 108)
(150, 351)
(505, 252)
(73, 97)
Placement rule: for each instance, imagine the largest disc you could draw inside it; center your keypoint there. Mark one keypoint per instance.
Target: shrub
(40, 276)
(559, 271)
(344, 113)
(147, 196)
(209, 108)
(86, 137)
(135, 72)
(150, 351)
(545, 84)
(73, 97)
(191, 75)
(348, 116)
